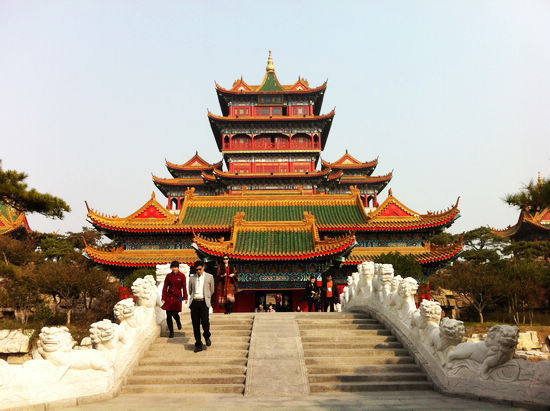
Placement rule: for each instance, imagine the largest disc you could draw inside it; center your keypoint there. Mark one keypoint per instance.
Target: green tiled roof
(267, 242)
(4, 210)
(324, 214)
(270, 83)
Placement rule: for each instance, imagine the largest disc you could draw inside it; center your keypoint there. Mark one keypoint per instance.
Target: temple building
(279, 211)
(531, 226)
(13, 222)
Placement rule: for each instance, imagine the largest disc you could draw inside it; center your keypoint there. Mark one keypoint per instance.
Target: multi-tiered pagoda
(279, 214)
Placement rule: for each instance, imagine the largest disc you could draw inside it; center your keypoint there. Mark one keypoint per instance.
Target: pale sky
(454, 96)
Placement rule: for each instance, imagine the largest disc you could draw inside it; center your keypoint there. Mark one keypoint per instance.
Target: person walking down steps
(227, 284)
(174, 292)
(201, 288)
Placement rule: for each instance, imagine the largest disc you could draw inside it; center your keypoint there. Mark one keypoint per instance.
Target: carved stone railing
(485, 369)
(63, 373)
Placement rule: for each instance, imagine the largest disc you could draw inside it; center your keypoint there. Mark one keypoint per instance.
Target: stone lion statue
(366, 272)
(124, 311)
(425, 320)
(428, 312)
(145, 291)
(355, 283)
(394, 297)
(55, 345)
(351, 289)
(104, 335)
(406, 291)
(497, 349)
(451, 332)
(376, 278)
(344, 297)
(385, 280)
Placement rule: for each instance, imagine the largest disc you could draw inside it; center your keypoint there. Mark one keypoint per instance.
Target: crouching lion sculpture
(497, 349)
(55, 345)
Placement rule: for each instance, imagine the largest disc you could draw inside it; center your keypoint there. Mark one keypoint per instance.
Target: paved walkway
(276, 360)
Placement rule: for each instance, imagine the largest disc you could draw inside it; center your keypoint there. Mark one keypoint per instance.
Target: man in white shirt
(201, 288)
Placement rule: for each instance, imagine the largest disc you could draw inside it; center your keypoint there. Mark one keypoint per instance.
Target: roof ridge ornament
(270, 68)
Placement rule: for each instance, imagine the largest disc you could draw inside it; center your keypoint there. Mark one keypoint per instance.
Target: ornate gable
(151, 209)
(300, 85)
(393, 208)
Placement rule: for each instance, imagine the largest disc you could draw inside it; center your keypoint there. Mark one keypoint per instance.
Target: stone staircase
(171, 367)
(353, 352)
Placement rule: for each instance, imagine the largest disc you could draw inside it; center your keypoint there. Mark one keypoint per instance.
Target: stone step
(378, 377)
(176, 370)
(344, 327)
(179, 338)
(217, 346)
(342, 333)
(348, 345)
(336, 323)
(191, 360)
(330, 316)
(188, 332)
(354, 352)
(184, 389)
(357, 361)
(186, 353)
(371, 386)
(362, 369)
(339, 339)
(170, 380)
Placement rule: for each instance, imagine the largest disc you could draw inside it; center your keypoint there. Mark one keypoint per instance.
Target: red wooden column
(169, 203)
(375, 202)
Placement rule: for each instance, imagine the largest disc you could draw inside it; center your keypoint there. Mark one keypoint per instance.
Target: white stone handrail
(63, 373)
(483, 369)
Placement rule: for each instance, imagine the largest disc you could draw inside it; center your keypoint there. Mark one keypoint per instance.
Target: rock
(528, 341)
(532, 355)
(15, 341)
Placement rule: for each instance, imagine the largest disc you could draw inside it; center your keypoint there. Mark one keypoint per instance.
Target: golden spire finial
(539, 180)
(270, 68)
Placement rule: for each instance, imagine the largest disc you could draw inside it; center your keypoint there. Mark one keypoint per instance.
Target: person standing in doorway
(227, 284)
(329, 294)
(201, 288)
(174, 292)
(312, 294)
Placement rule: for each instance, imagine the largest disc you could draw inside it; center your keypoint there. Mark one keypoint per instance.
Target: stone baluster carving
(55, 345)
(451, 332)
(406, 306)
(355, 277)
(394, 299)
(497, 349)
(366, 273)
(385, 279)
(351, 288)
(106, 337)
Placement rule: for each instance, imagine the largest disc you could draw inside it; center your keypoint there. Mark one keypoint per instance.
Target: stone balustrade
(485, 369)
(64, 373)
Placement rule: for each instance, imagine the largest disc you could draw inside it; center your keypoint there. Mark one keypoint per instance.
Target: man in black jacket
(312, 294)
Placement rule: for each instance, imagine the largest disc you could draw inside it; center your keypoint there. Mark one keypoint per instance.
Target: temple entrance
(250, 300)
